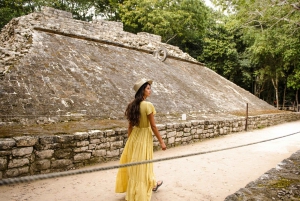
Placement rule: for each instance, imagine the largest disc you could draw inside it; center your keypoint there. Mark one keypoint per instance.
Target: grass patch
(259, 112)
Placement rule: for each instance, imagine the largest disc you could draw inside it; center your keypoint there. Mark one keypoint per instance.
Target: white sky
(208, 3)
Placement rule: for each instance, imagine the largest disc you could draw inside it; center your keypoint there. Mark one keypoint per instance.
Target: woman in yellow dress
(139, 181)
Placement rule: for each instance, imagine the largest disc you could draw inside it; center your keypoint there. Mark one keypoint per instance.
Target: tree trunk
(275, 84)
(297, 103)
(283, 103)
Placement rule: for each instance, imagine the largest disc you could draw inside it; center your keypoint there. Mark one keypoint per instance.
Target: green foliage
(224, 50)
(181, 23)
(12, 9)
(108, 9)
(271, 32)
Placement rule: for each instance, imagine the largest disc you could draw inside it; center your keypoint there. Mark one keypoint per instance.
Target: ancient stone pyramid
(53, 65)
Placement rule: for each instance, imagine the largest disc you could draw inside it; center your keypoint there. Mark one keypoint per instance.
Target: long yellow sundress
(138, 181)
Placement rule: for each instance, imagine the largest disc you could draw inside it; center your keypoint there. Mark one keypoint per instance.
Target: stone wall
(29, 155)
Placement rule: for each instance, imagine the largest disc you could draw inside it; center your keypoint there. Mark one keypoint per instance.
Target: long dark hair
(132, 112)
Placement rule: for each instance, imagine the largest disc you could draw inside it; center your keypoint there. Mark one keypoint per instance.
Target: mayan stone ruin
(53, 67)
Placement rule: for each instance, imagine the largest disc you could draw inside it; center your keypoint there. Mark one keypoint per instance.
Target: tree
(12, 9)
(272, 25)
(219, 50)
(179, 22)
(108, 9)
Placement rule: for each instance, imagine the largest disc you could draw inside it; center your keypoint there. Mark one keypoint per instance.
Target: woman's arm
(156, 132)
(129, 129)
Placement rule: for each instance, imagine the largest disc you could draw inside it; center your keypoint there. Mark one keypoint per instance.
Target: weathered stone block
(120, 131)
(109, 132)
(112, 153)
(82, 156)
(101, 152)
(195, 122)
(163, 132)
(186, 139)
(179, 134)
(43, 165)
(71, 144)
(199, 131)
(18, 162)
(17, 171)
(5, 153)
(103, 140)
(12, 172)
(62, 153)
(187, 130)
(150, 36)
(95, 134)
(25, 141)
(116, 145)
(63, 163)
(170, 125)
(171, 140)
(188, 124)
(7, 143)
(82, 143)
(92, 146)
(161, 126)
(81, 149)
(22, 151)
(112, 139)
(171, 134)
(235, 124)
(3, 163)
(65, 138)
(103, 145)
(210, 126)
(193, 131)
(81, 135)
(95, 141)
(48, 140)
(178, 139)
(44, 154)
(55, 12)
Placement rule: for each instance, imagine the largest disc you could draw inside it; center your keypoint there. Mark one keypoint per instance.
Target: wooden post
(246, 117)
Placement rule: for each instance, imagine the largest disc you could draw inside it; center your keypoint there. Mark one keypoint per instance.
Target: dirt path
(209, 177)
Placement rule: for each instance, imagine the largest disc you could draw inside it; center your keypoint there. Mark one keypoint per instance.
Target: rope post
(246, 125)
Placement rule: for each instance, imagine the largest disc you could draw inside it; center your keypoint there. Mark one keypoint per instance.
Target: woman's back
(146, 108)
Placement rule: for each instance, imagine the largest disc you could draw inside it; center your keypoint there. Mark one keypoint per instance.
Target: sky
(208, 3)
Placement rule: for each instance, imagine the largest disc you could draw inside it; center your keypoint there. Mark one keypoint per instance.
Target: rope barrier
(76, 172)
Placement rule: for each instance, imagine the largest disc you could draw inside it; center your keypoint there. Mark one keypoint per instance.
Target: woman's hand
(163, 146)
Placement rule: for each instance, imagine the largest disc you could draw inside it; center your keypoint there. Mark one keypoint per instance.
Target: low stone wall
(29, 155)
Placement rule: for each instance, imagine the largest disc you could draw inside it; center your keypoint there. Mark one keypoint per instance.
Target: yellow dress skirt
(138, 181)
